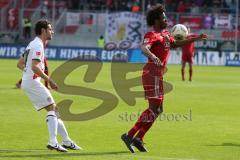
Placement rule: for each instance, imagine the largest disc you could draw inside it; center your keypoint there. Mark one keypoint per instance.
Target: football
(179, 31)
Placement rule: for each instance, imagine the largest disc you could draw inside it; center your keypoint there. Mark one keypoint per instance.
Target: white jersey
(39, 95)
(35, 50)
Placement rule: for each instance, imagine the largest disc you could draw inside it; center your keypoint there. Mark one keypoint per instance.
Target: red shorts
(153, 86)
(187, 59)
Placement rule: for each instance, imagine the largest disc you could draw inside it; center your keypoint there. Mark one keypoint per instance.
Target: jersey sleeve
(149, 39)
(172, 39)
(192, 36)
(37, 53)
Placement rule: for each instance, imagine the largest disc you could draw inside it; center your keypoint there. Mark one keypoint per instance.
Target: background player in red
(156, 46)
(187, 55)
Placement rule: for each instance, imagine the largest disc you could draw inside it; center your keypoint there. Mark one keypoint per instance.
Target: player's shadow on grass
(21, 150)
(49, 154)
(226, 145)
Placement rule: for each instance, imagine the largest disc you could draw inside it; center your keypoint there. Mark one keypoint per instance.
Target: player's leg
(156, 110)
(190, 71)
(155, 106)
(183, 70)
(61, 128)
(67, 142)
(190, 68)
(128, 138)
(148, 84)
(144, 117)
(52, 123)
(42, 99)
(153, 86)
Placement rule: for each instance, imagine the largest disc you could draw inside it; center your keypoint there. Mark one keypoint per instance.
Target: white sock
(63, 131)
(52, 123)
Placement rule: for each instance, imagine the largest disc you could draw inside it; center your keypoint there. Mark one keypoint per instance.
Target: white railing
(60, 22)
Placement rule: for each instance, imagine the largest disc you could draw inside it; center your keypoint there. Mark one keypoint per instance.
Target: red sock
(190, 74)
(182, 71)
(147, 125)
(141, 120)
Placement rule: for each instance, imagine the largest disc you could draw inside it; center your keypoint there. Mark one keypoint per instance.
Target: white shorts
(39, 95)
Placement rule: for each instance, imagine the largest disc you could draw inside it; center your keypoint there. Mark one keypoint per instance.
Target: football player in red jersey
(187, 55)
(156, 46)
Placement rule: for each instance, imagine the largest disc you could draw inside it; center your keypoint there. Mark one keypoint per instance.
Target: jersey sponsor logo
(167, 41)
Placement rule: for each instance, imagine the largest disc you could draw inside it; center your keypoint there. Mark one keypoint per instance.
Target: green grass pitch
(209, 131)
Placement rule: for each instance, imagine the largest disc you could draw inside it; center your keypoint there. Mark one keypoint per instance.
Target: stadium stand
(31, 6)
(89, 27)
(4, 3)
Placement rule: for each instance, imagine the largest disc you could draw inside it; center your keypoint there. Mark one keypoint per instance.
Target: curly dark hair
(41, 24)
(154, 14)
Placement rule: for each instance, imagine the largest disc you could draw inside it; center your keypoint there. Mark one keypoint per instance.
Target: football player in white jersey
(39, 95)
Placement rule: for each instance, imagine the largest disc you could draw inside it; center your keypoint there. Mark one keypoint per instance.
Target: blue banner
(233, 63)
(202, 57)
(66, 53)
(136, 56)
(11, 51)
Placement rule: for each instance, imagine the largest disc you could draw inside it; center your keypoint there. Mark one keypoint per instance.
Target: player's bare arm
(146, 50)
(21, 64)
(180, 43)
(41, 74)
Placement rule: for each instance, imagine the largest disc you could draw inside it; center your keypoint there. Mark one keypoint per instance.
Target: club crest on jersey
(38, 53)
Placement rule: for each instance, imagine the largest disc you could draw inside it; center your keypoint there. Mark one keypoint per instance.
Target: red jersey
(160, 43)
(188, 49)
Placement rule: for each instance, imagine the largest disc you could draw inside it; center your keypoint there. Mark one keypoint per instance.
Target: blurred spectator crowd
(188, 6)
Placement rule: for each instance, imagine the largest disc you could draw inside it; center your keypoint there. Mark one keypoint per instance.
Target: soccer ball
(179, 31)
